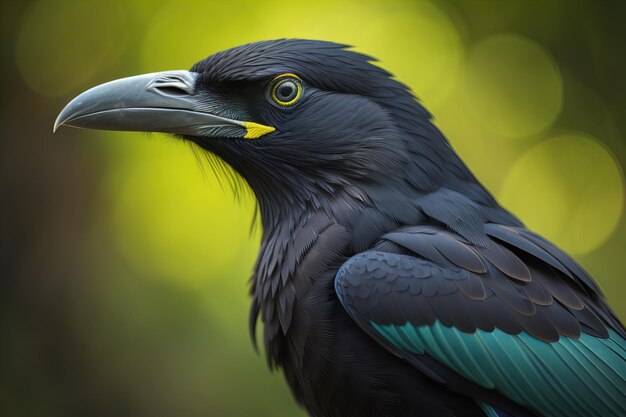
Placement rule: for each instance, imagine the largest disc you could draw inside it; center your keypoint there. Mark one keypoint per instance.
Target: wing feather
(510, 319)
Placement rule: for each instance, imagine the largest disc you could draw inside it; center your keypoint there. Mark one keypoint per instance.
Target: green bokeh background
(125, 259)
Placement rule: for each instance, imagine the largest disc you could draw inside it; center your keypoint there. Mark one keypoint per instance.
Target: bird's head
(300, 120)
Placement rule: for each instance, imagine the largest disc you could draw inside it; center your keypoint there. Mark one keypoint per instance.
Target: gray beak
(157, 102)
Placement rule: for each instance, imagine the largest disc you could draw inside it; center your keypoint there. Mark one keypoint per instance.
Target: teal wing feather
(489, 411)
(570, 377)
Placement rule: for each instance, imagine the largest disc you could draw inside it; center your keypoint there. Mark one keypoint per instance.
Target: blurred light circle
(208, 28)
(61, 45)
(570, 189)
(474, 143)
(171, 219)
(513, 85)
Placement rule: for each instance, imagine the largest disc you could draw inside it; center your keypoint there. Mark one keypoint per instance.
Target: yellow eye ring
(286, 89)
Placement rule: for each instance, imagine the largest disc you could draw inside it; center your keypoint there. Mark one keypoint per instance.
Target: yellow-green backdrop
(125, 260)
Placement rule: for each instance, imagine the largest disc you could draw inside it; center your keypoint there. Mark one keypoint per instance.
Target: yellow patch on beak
(256, 130)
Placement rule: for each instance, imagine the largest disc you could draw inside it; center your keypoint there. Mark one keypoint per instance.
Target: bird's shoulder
(512, 280)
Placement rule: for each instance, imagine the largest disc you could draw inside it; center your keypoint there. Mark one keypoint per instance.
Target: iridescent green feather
(571, 377)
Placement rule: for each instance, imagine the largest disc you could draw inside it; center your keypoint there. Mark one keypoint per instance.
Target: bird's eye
(286, 90)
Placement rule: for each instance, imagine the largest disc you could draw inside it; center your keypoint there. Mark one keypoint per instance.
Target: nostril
(171, 86)
(171, 91)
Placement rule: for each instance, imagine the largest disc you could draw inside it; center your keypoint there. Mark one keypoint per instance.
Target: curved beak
(158, 102)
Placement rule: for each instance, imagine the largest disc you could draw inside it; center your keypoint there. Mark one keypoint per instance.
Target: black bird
(389, 281)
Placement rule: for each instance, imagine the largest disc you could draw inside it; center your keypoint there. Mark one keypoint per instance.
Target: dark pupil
(287, 91)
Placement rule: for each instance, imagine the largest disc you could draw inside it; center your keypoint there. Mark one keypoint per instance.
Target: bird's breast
(292, 259)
